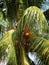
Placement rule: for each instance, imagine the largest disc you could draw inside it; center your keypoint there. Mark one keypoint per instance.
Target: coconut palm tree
(16, 44)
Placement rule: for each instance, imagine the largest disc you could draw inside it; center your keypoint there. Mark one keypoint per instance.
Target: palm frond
(7, 50)
(41, 46)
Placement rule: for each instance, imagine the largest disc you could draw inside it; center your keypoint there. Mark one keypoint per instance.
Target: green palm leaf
(35, 20)
(7, 50)
(41, 46)
(33, 23)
